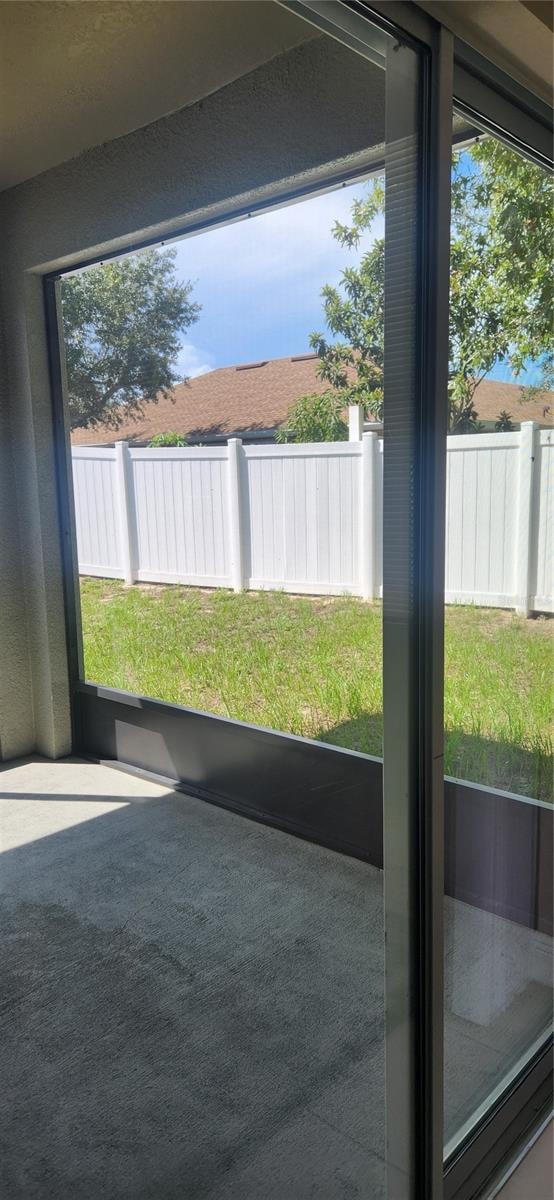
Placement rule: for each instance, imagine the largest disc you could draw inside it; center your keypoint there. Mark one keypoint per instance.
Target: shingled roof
(252, 400)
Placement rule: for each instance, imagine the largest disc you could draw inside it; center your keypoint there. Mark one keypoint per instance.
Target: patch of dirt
(488, 620)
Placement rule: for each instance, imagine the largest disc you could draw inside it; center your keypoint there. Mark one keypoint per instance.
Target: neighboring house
(491, 397)
(252, 400)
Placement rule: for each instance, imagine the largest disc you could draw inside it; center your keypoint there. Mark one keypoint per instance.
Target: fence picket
(124, 503)
(524, 536)
(234, 460)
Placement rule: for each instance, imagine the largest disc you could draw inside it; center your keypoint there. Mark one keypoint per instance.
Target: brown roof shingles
(491, 397)
(255, 398)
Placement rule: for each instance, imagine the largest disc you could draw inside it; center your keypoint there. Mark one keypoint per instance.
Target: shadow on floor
(192, 1004)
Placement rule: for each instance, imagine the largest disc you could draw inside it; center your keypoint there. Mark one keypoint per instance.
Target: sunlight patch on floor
(39, 798)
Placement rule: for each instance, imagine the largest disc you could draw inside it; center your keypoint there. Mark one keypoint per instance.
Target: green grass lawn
(312, 666)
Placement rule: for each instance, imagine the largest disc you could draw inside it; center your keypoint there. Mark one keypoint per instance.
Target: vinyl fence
(308, 518)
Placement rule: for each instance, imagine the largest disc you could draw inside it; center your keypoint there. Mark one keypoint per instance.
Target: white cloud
(259, 280)
(192, 361)
(290, 241)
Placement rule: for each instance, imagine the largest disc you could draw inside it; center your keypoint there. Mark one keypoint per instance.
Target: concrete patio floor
(193, 1002)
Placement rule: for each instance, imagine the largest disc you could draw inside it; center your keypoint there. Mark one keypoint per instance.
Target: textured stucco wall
(247, 142)
(15, 713)
(77, 75)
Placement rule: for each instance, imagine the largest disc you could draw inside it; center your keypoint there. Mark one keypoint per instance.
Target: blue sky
(259, 281)
(531, 377)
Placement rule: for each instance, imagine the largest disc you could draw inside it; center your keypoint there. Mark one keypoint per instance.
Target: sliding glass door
(499, 651)
(271, 461)
(241, 539)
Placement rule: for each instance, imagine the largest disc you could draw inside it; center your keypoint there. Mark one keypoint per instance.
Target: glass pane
(499, 649)
(247, 486)
(230, 545)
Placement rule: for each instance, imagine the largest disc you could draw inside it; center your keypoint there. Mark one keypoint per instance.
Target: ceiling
(74, 74)
(516, 36)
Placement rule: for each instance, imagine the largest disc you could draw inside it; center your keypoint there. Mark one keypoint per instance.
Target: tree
(501, 293)
(315, 418)
(504, 423)
(167, 439)
(501, 283)
(353, 364)
(122, 324)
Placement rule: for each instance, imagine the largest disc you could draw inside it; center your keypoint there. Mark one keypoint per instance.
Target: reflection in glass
(499, 648)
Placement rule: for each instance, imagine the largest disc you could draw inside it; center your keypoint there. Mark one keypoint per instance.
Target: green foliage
(122, 323)
(168, 439)
(504, 423)
(353, 364)
(501, 282)
(316, 418)
(501, 295)
(462, 414)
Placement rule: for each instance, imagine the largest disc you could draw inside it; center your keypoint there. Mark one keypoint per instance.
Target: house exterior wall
(242, 145)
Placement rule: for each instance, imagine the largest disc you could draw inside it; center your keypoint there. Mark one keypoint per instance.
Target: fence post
(236, 524)
(368, 513)
(527, 455)
(355, 422)
(123, 501)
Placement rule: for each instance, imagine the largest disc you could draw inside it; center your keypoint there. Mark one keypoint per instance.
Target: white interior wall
(240, 145)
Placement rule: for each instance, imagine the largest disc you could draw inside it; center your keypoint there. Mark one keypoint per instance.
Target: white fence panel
(482, 477)
(542, 572)
(308, 518)
(303, 508)
(378, 526)
(96, 520)
(180, 515)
